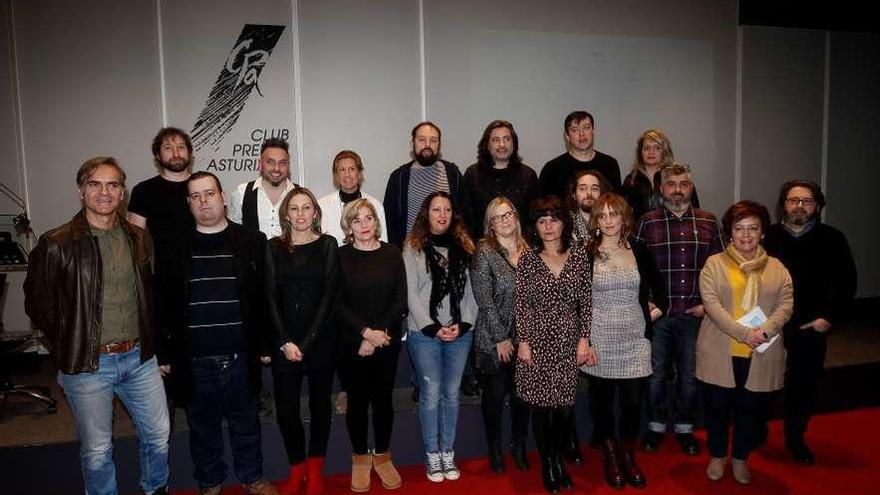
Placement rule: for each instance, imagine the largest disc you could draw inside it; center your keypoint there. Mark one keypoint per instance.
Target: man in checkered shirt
(680, 237)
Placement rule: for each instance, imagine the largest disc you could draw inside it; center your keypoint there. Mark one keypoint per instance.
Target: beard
(427, 157)
(677, 204)
(586, 205)
(799, 216)
(178, 166)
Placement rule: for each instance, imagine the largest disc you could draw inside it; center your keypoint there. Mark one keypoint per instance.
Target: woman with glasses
(493, 276)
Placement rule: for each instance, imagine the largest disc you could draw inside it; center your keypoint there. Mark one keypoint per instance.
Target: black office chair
(10, 351)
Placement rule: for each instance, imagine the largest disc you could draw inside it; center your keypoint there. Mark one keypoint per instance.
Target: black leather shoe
(651, 441)
(801, 454)
(520, 457)
(162, 491)
(688, 443)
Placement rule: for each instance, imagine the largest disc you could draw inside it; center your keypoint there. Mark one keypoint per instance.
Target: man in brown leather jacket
(88, 288)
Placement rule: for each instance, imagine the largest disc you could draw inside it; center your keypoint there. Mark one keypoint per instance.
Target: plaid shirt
(680, 247)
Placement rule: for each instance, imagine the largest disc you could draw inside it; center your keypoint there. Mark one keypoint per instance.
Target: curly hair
(616, 203)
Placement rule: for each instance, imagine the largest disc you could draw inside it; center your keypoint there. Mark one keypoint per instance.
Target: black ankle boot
(496, 460)
(564, 478)
(520, 456)
(631, 471)
(613, 473)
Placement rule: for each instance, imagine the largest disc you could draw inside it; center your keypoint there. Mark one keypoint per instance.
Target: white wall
(348, 74)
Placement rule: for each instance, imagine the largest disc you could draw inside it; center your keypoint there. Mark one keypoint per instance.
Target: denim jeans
(220, 390)
(139, 386)
(439, 367)
(674, 338)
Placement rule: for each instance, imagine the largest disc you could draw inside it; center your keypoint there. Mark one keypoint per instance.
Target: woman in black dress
(371, 308)
(305, 270)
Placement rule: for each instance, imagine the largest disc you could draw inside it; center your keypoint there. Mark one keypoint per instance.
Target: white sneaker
(450, 470)
(434, 467)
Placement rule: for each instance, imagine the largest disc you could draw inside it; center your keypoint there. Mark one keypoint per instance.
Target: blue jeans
(139, 386)
(674, 338)
(220, 390)
(439, 367)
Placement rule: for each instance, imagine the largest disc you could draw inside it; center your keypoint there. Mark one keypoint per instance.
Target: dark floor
(37, 443)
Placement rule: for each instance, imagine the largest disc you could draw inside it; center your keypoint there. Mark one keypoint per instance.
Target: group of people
(535, 280)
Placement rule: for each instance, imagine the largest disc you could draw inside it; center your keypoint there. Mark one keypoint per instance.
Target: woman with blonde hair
(371, 308)
(641, 187)
(493, 276)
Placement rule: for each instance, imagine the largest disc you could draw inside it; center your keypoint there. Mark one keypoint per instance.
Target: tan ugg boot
(360, 472)
(387, 472)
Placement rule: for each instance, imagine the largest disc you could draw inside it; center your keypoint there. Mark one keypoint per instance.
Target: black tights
(288, 388)
(369, 381)
(630, 395)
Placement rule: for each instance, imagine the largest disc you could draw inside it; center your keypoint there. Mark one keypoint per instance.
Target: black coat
(250, 255)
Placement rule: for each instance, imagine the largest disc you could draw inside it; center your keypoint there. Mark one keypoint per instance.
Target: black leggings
(288, 388)
(369, 381)
(496, 387)
(630, 395)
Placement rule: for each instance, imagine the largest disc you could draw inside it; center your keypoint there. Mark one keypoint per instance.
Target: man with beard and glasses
(680, 238)
(585, 189)
(255, 204)
(821, 265)
(159, 204)
(500, 171)
(413, 181)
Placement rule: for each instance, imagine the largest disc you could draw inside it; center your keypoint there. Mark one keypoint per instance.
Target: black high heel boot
(634, 475)
(541, 424)
(613, 472)
(520, 456)
(571, 449)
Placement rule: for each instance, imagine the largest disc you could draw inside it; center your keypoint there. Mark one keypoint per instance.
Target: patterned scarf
(753, 269)
(448, 274)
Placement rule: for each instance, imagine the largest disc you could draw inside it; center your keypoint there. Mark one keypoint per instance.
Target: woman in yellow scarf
(740, 357)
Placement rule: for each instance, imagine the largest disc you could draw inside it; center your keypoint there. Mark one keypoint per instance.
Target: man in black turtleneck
(499, 171)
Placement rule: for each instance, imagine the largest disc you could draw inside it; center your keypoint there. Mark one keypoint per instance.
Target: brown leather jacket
(63, 292)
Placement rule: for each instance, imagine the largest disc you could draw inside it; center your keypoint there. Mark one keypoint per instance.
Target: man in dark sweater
(579, 133)
(213, 308)
(499, 171)
(412, 182)
(824, 275)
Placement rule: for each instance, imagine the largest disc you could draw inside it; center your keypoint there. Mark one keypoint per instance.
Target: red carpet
(845, 444)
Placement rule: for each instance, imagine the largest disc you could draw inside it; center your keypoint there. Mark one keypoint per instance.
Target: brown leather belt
(118, 347)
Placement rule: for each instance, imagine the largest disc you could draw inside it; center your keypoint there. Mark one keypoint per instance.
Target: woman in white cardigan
(348, 177)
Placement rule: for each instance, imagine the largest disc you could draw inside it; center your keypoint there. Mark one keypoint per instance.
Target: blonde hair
(350, 212)
(489, 237)
(657, 136)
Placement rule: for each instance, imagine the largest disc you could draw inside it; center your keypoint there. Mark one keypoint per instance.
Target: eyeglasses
(206, 195)
(502, 217)
(800, 201)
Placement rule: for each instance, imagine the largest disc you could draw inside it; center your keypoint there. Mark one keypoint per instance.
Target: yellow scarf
(744, 276)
